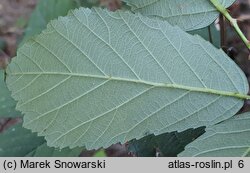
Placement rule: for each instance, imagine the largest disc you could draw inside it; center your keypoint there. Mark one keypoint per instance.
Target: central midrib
(162, 85)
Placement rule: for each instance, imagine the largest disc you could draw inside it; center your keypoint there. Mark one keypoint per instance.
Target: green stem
(232, 21)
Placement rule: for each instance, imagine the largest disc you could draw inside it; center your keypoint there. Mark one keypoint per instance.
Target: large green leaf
(45, 11)
(187, 14)
(18, 142)
(7, 103)
(95, 78)
(166, 145)
(230, 138)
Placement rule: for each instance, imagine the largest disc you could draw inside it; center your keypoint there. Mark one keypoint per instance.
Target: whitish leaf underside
(228, 139)
(187, 14)
(95, 78)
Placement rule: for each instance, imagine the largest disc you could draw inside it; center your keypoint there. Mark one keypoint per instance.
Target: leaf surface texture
(187, 14)
(95, 78)
(227, 139)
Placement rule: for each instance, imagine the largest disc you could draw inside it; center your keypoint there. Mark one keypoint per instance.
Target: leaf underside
(187, 14)
(227, 139)
(95, 78)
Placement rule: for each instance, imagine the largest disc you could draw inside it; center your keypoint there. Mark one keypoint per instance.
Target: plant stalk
(232, 21)
(222, 31)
